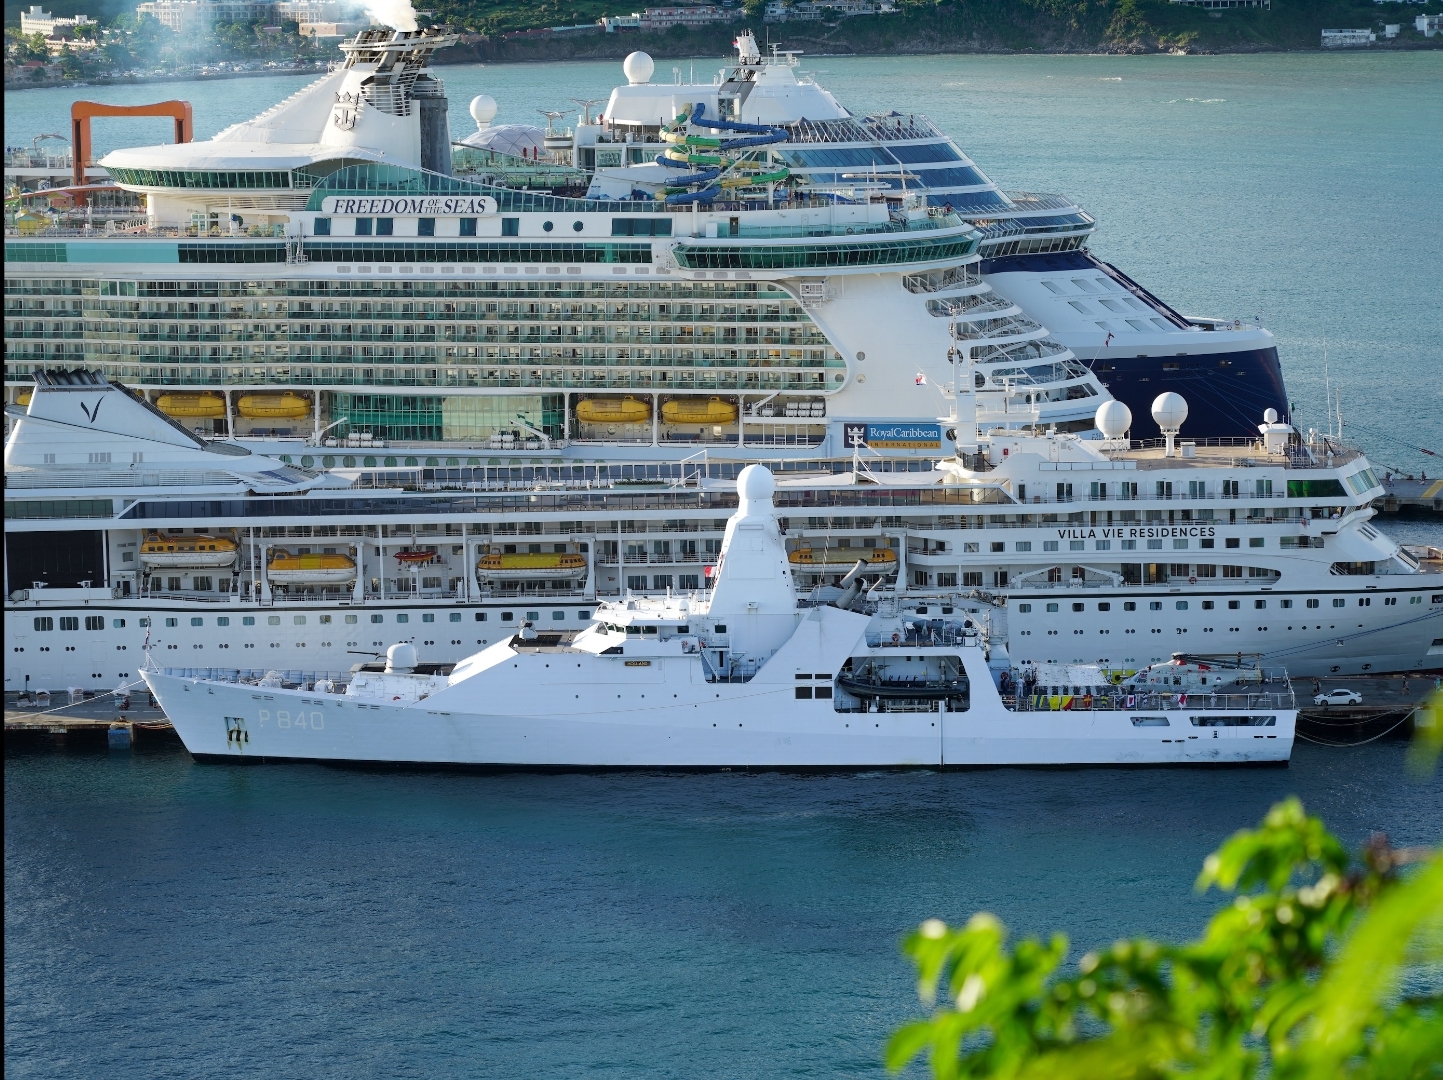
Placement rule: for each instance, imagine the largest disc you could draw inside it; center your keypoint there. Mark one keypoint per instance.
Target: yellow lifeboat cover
(628, 410)
(193, 406)
(533, 561)
(160, 544)
(285, 406)
(23, 399)
(284, 560)
(806, 556)
(698, 411)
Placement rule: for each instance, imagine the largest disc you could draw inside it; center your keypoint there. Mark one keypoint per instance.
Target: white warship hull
(682, 725)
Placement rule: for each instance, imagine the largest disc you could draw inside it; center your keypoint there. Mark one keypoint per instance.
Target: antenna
(552, 115)
(587, 104)
(1327, 386)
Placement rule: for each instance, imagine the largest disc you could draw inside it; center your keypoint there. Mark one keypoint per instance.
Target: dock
(97, 724)
(1404, 495)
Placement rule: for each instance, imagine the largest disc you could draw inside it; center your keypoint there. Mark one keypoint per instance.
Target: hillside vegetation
(923, 26)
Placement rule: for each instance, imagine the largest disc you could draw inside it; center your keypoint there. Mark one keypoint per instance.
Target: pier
(93, 724)
(1405, 495)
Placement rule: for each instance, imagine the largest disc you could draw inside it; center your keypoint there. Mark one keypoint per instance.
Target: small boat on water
(162, 551)
(530, 565)
(310, 569)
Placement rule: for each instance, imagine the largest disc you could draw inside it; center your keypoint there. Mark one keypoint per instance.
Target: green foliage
(1297, 979)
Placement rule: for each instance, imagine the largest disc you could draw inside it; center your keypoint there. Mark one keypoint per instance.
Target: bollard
(118, 737)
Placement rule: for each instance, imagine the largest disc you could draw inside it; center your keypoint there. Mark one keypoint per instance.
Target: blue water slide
(760, 140)
(671, 163)
(693, 196)
(698, 118)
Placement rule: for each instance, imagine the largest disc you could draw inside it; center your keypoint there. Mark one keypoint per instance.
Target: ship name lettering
(428, 206)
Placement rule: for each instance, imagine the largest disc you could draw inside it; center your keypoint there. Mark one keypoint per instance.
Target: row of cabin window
(1163, 489)
(385, 226)
(1208, 605)
(97, 622)
(971, 547)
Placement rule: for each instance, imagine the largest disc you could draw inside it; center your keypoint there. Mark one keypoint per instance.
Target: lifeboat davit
(192, 406)
(627, 410)
(520, 566)
(288, 569)
(414, 556)
(840, 560)
(285, 406)
(164, 552)
(695, 410)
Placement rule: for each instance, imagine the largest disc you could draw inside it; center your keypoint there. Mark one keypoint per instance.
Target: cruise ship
(349, 382)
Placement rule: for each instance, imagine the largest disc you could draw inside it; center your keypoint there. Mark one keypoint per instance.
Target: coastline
(616, 47)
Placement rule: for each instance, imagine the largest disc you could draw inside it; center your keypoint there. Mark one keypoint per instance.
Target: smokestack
(430, 96)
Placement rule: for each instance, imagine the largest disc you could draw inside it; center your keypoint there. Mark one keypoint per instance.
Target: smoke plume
(397, 14)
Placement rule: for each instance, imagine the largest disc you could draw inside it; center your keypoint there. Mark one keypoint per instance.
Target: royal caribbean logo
(894, 436)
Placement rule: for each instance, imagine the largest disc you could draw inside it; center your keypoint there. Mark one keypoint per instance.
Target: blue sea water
(1300, 187)
(164, 919)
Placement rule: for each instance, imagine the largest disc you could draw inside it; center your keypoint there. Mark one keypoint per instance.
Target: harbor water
(165, 919)
(171, 920)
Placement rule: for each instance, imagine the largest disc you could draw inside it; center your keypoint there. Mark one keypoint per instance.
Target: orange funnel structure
(82, 111)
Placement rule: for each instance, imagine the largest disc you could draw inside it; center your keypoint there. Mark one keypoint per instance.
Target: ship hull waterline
(240, 723)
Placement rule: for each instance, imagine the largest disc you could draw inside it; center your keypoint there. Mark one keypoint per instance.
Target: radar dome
(755, 483)
(1270, 416)
(401, 658)
(483, 109)
(1113, 419)
(638, 68)
(1169, 410)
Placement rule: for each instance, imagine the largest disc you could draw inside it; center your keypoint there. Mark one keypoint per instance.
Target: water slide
(680, 155)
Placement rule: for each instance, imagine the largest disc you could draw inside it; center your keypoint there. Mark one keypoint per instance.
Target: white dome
(638, 68)
(1113, 419)
(756, 483)
(483, 109)
(1270, 416)
(401, 657)
(1169, 410)
(508, 139)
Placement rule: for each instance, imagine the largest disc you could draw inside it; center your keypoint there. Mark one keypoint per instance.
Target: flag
(921, 379)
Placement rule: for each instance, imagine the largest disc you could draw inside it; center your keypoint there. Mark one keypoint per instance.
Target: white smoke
(397, 14)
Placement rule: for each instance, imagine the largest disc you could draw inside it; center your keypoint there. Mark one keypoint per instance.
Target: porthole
(546, 226)
(576, 226)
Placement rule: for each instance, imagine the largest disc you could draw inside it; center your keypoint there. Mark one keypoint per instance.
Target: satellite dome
(638, 68)
(401, 658)
(755, 483)
(1169, 410)
(483, 109)
(518, 140)
(1270, 416)
(1113, 419)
